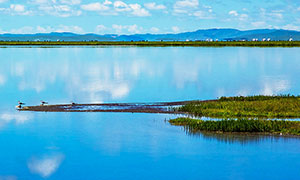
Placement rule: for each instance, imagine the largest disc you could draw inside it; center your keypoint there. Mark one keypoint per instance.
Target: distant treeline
(155, 43)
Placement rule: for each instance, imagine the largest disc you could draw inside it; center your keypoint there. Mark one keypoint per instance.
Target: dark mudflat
(157, 107)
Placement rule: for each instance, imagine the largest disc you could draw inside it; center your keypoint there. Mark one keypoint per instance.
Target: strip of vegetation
(240, 125)
(284, 106)
(154, 43)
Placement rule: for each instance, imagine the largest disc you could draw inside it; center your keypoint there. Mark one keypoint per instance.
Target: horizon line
(61, 32)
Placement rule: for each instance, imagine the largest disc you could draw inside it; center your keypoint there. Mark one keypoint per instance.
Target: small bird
(43, 103)
(20, 103)
(72, 103)
(18, 107)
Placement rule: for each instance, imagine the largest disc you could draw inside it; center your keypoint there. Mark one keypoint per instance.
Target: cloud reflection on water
(273, 86)
(2, 80)
(91, 81)
(18, 118)
(45, 166)
(114, 74)
(241, 138)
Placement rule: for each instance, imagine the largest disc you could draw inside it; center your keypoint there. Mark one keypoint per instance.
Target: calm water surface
(139, 146)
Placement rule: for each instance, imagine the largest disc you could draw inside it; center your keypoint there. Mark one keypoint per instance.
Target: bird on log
(43, 103)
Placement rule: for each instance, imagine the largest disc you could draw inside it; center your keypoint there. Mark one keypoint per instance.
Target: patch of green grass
(284, 106)
(240, 125)
(153, 43)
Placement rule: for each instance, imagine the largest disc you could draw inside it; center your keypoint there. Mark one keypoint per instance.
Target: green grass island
(252, 114)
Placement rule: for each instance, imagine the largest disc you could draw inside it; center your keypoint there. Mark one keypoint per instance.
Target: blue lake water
(139, 146)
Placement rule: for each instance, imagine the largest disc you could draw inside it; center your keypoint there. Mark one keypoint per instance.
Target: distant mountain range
(220, 34)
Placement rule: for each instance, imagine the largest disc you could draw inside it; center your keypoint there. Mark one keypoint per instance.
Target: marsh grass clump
(257, 98)
(283, 106)
(240, 125)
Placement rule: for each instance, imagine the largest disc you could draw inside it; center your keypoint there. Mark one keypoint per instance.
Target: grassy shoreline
(252, 114)
(154, 43)
(280, 127)
(284, 106)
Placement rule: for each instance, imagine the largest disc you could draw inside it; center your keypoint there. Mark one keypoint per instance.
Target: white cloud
(44, 29)
(121, 6)
(202, 15)
(117, 28)
(17, 7)
(276, 15)
(298, 9)
(131, 29)
(118, 7)
(175, 29)
(234, 13)
(258, 24)
(74, 29)
(237, 16)
(95, 7)
(60, 10)
(291, 27)
(185, 5)
(107, 2)
(70, 2)
(100, 28)
(137, 10)
(44, 1)
(2, 1)
(154, 30)
(154, 6)
(243, 17)
(45, 166)
(47, 29)
(23, 30)
(271, 16)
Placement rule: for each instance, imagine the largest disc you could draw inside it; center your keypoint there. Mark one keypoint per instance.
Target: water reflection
(18, 118)
(275, 85)
(233, 138)
(2, 80)
(125, 146)
(146, 74)
(8, 177)
(45, 165)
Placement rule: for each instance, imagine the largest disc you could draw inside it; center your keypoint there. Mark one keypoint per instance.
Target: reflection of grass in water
(156, 43)
(230, 138)
(240, 125)
(284, 106)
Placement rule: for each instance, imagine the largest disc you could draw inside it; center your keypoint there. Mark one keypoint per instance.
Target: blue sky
(145, 16)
